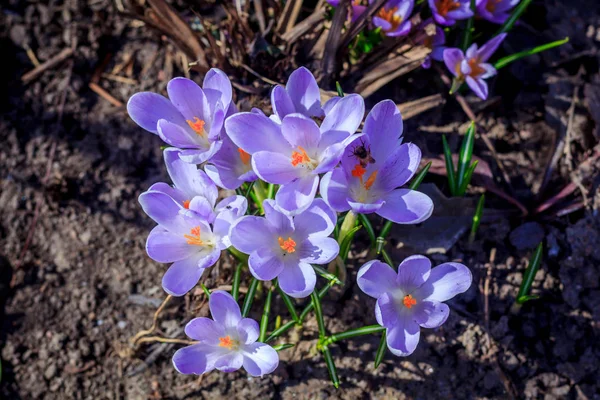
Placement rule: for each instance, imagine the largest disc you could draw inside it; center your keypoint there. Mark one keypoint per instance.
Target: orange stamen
(288, 245)
(300, 157)
(194, 237)
(409, 301)
(186, 204)
(388, 14)
(226, 342)
(358, 171)
(197, 125)
(371, 180)
(245, 157)
(445, 6)
(476, 70)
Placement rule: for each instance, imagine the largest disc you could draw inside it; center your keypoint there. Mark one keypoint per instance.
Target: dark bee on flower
(363, 153)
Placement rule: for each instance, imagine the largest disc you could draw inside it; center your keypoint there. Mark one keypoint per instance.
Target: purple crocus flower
(293, 154)
(373, 167)
(226, 342)
(435, 43)
(184, 239)
(496, 11)
(191, 119)
(284, 247)
(193, 190)
(412, 298)
(231, 166)
(394, 17)
(447, 12)
(472, 66)
(300, 95)
(356, 8)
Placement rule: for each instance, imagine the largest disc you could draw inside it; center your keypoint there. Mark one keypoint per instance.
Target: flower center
(409, 301)
(300, 157)
(186, 204)
(359, 172)
(476, 70)
(197, 126)
(194, 237)
(445, 6)
(288, 245)
(245, 157)
(491, 5)
(228, 343)
(389, 14)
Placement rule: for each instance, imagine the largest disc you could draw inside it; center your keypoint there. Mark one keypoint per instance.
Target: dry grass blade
(51, 63)
(360, 23)
(413, 108)
(333, 41)
(303, 27)
(390, 69)
(288, 17)
(260, 15)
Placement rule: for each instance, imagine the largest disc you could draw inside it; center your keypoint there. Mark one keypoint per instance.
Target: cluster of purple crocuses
(470, 67)
(311, 152)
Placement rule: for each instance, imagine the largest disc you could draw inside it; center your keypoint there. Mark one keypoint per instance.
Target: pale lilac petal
(216, 128)
(403, 338)
(402, 30)
(445, 281)
(365, 208)
(334, 189)
(260, 359)
(478, 86)
(330, 158)
(489, 70)
(224, 177)
(328, 106)
(413, 272)
(405, 206)
(182, 276)
(165, 247)
(318, 250)
(204, 208)
(399, 168)
(301, 131)
(264, 264)
(146, 109)
(216, 85)
(346, 115)
(195, 359)
(376, 278)
(275, 167)
(281, 222)
(200, 156)
(384, 128)
(297, 280)
(170, 191)
(205, 330)
(250, 233)
(189, 99)
(384, 24)
(386, 311)
(304, 92)
(488, 49)
(254, 132)
(281, 102)
(248, 331)
(224, 309)
(296, 196)
(164, 211)
(229, 362)
(317, 221)
(174, 134)
(430, 314)
(188, 178)
(237, 203)
(453, 58)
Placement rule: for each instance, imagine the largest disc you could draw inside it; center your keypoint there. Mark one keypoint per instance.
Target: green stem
(364, 220)
(516, 14)
(264, 321)
(283, 346)
(235, 286)
(464, 158)
(260, 192)
(387, 258)
(241, 257)
(449, 166)
(504, 61)
(365, 330)
(347, 225)
(249, 297)
(271, 191)
(331, 367)
(325, 274)
(290, 306)
(316, 302)
(469, 29)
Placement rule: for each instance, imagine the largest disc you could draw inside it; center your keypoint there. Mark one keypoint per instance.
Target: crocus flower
(357, 8)
(230, 167)
(293, 154)
(184, 239)
(412, 298)
(496, 11)
(447, 12)
(193, 190)
(191, 119)
(300, 95)
(226, 342)
(394, 17)
(472, 66)
(284, 247)
(435, 43)
(373, 168)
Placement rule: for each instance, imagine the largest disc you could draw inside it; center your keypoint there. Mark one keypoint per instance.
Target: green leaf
(477, 218)
(464, 157)
(290, 305)
(449, 166)
(364, 220)
(419, 177)
(249, 297)
(466, 42)
(351, 333)
(235, 286)
(331, 367)
(316, 302)
(381, 350)
(206, 291)
(529, 275)
(387, 258)
(264, 320)
(347, 241)
(283, 346)
(516, 14)
(468, 175)
(338, 87)
(325, 274)
(504, 61)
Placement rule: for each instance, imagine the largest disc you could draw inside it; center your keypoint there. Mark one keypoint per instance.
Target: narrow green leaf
(524, 299)
(290, 305)
(477, 218)
(350, 333)
(249, 297)
(386, 229)
(271, 190)
(529, 275)
(283, 346)
(264, 320)
(516, 14)
(338, 87)
(464, 157)
(379, 243)
(504, 61)
(449, 166)
(205, 289)
(419, 178)
(325, 274)
(241, 257)
(468, 175)
(466, 42)
(235, 285)
(364, 220)
(280, 331)
(331, 367)
(249, 189)
(347, 241)
(387, 258)
(314, 297)
(381, 349)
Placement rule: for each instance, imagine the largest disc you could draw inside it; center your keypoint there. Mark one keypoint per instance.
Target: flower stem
(316, 302)
(241, 257)
(365, 330)
(249, 297)
(517, 56)
(264, 321)
(387, 258)
(260, 191)
(347, 226)
(364, 220)
(235, 286)
(326, 275)
(516, 14)
(331, 367)
(290, 306)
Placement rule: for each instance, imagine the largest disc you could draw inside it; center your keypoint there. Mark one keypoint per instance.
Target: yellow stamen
(445, 6)
(186, 204)
(197, 125)
(194, 237)
(388, 14)
(288, 245)
(409, 301)
(245, 157)
(371, 180)
(300, 157)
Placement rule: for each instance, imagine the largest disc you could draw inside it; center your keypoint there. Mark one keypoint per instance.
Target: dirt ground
(76, 284)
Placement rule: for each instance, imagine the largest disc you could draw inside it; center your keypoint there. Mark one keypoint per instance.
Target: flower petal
(403, 338)
(399, 168)
(384, 128)
(195, 359)
(274, 167)
(376, 278)
(296, 196)
(255, 132)
(198, 156)
(264, 264)
(188, 178)
(430, 314)
(304, 92)
(189, 99)
(334, 189)
(301, 131)
(281, 102)
(413, 272)
(453, 58)
(146, 109)
(250, 233)
(248, 330)
(260, 359)
(386, 311)
(229, 362)
(365, 208)
(319, 250)
(175, 135)
(346, 115)
(164, 211)
(478, 86)
(224, 309)
(445, 281)
(280, 221)
(318, 220)
(205, 330)
(165, 247)
(405, 206)
(182, 276)
(488, 49)
(217, 86)
(297, 280)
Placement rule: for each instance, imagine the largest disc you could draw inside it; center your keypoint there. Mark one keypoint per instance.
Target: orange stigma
(197, 125)
(445, 6)
(409, 301)
(288, 245)
(245, 157)
(476, 70)
(358, 171)
(194, 237)
(227, 342)
(186, 204)
(388, 14)
(300, 157)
